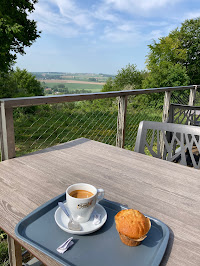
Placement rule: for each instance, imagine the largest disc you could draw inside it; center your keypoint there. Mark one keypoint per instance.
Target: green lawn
(78, 86)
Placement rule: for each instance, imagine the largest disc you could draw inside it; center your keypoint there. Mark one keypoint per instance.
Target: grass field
(78, 86)
(86, 78)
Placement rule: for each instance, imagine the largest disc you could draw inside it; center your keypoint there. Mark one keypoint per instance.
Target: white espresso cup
(82, 208)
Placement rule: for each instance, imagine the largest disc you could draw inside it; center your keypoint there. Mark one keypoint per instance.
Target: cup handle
(100, 194)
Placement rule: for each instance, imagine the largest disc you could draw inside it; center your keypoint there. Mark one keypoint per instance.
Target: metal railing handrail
(184, 106)
(39, 100)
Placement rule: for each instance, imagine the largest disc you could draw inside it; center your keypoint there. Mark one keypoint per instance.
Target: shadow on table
(155, 236)
(168, 249)
(61, 146)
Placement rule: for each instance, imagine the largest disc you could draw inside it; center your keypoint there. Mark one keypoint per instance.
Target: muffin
(132, 226)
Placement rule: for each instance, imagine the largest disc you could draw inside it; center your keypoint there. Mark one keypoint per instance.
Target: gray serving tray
(102, 247)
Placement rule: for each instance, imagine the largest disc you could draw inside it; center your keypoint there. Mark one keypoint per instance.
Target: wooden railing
(7, 105)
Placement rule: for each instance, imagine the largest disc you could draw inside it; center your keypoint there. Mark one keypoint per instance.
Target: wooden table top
(164, 190)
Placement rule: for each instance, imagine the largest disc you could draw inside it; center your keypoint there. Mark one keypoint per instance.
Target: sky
(100, 36)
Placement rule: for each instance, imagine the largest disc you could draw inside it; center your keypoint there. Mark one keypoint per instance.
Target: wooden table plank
(161, 189)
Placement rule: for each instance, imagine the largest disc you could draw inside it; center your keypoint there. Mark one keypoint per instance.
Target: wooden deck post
(15, 253)
(7, 152)
(192, 95)
(165, 119)
(121, 121)
(7, 133)
(166, 106)
(191, 102)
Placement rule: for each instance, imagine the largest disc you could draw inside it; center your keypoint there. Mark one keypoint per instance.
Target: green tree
(61, 85)
(92, 79)
(19, 83)
(190, 41)
(127, 78)
(179, 51)
(166, 74)
(55, 88)
(16, 30)
(108, 86)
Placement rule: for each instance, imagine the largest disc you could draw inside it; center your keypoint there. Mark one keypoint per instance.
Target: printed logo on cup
(81, 200)
(84, 205)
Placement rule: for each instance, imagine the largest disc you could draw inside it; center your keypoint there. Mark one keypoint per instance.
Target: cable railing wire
(61, 123)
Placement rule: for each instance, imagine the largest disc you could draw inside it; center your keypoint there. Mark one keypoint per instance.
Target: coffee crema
(81, 194)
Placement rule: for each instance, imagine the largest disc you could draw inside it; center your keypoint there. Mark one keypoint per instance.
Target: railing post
(7, 152)
(166, 106)
(121, 121)
(7, 133)
(165, 119)
(15, 252)
(192, 95)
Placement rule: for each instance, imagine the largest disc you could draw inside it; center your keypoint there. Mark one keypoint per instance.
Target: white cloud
(65, 6)
(127, 27)
(109, 20)
(103, 12)
(78, 17)
(154, 34)
(117, 36)
(132, 6)
(111, 31)
(134, 33)
(192, 15)
(128, 34)
(62, 17)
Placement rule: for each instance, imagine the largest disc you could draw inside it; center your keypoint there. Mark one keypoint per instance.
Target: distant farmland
(72, 81)
(75, 84)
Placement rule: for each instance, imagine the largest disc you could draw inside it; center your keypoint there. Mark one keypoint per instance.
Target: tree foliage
(166, 74)
(190, 41)
(108, 86)
(19, 83)
(127, 78)
(178, 52)
(16, 30)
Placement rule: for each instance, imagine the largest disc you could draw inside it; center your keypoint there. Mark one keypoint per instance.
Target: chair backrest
(168, 141)
(184, 114)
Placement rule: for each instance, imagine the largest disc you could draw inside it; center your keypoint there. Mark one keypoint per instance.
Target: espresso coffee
(81, 194)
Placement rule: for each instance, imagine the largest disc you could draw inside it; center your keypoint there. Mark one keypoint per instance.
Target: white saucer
(87, 228)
